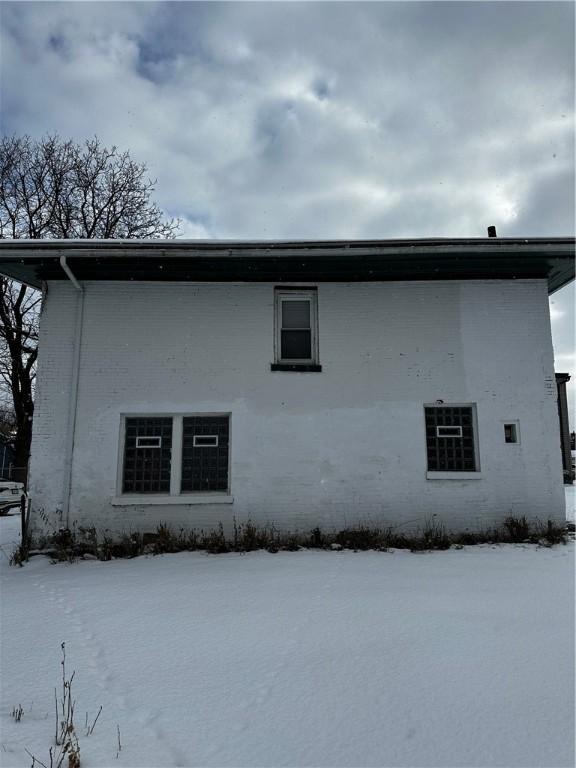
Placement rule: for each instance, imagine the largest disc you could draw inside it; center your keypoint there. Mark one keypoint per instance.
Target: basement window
(296, 330)
(450, 438)
(175, 455)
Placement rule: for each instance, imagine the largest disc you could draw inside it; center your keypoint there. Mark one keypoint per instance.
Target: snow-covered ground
(457, 658)
(9, 533)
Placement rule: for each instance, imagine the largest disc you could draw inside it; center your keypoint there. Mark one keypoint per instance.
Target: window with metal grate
(450, 438)
(147, 455)
(205, 441)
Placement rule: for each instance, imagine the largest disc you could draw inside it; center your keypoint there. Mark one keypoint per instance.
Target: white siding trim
(182, 500)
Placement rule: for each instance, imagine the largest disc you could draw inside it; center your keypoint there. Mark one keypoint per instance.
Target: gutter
(73, 406)
(70, 274)
(87, 248)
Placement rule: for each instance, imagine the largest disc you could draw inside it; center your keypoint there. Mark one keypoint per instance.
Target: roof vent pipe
(492, 231)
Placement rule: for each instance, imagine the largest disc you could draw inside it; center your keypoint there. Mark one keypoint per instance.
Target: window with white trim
(177, 454)
(450, 439)
(296, 329)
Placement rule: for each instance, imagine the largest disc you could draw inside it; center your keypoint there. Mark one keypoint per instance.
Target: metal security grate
(446, 449)
(147, 455)
(205, 461)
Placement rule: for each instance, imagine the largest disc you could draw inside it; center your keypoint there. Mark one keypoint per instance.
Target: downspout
(73, 406)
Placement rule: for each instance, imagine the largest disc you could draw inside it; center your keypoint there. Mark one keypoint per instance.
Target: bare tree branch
(53, 188)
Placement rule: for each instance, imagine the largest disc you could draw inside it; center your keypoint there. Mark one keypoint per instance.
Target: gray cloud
(316, 119)
(357, 112)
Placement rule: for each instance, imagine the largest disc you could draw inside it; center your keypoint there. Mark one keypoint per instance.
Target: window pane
(296, 345)
(296, 314)
(446, 451)
(204, 465)
(147, 460)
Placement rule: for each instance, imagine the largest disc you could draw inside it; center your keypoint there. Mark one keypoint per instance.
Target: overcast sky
(305, 120)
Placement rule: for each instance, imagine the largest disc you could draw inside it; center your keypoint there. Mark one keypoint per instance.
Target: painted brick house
(300, 384)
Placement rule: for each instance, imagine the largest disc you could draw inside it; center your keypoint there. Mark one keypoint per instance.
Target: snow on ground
(457, 658)
(9, 533)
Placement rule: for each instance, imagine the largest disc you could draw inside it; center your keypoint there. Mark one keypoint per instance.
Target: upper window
(175, 454)
(450, 443)
(296, 329)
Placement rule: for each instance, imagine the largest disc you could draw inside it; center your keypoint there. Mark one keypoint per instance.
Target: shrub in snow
(518, 528)
(362, 537)
(317, 539)
(470, 538)
(68, 544)
(552, 533)
(433, 536)
(215, 541)
(248, 537)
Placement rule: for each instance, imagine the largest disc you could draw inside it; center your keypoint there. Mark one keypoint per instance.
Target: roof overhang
(34, 261)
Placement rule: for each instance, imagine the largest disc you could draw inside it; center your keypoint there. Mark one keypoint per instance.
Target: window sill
(454, 476)
(296, 367)
(183, 499)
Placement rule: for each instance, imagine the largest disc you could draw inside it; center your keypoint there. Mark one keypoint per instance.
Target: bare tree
(7, 415)
(18, 351)
(54, 188)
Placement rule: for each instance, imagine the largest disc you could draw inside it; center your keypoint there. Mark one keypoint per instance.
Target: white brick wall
(330, 448)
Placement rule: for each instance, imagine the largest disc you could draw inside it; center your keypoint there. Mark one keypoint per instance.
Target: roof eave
(31, 261)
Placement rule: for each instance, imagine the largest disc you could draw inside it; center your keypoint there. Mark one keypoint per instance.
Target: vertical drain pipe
(73, 407)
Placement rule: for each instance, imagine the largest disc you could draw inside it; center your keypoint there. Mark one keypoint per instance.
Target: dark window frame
(309, 364)
(511, 431)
